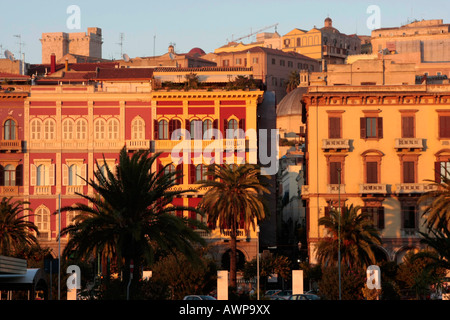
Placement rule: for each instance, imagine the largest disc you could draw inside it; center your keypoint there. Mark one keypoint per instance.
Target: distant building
(78, 46)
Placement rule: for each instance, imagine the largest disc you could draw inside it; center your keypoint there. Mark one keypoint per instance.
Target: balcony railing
(226, 234)
(409, 232)
(43, 190)
(11, 145)
(74, 189)
(336, 188)
(335, 144)
(408, 143)
(225, 144)
(373, 188)
(414, 187)
(138, 144)
(9, 190)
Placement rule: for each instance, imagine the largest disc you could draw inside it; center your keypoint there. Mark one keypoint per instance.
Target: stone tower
(80, 43)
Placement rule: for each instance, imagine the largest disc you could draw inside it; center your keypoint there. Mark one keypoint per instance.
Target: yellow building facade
(375, 147)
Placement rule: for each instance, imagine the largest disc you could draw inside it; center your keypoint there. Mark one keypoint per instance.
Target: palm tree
(234, 197)
(130, 216)
(359, 237)
(293, 81)
(15, 231)
(437, 201)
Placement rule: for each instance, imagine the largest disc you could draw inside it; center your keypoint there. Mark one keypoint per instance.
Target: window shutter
(380, 128)
(83, 174)
(327, 211)
(2, 176)
(216, 124)
(225, 128)
(192, 173)
(19, 175)
(407, 127)
(408, 172)
(242, 124)
(65, 175)
(171, 128)
(437, 172)
(51, 175)
(363, 128)
(334, 173)
(380, 217)
(334, 128)
(155, 129)
(32, 175)
(372, 172)
(180, 174)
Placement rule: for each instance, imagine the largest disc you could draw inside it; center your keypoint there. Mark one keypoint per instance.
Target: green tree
(437, 204)
(15, 231)
(130, 216)
(352, 283)
(234, 198)
(358, 238)
(293, 81)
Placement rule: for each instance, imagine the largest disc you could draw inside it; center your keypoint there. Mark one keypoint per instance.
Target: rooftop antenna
(19, 36)
(122, 37)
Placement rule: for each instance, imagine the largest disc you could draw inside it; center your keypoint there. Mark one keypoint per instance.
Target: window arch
(36, 127)
(81, 129)
(49, 129)
(42, 221)
(207, 126)
(113, 129)
(196, 128)
(67, 127)
(9, 130)
(100, 128)
(138, 129)
(163, 130)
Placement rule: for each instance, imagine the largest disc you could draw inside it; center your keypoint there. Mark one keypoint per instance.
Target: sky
(149, 27)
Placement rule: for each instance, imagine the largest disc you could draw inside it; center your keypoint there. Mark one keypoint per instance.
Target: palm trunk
(233, 260)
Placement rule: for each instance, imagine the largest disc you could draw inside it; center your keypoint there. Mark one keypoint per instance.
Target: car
(198, 297)
(307, 296)
(282, 295)
(270, 293)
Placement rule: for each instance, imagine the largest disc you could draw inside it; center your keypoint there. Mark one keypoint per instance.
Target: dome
(196, 51)
(291, 103)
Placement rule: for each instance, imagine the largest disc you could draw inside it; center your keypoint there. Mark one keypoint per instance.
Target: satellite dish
(9, 55)
(126, 58)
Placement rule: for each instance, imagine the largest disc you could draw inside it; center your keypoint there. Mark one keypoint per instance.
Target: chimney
(53, 63)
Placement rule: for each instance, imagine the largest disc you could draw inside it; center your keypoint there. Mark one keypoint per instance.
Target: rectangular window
(334, 128)
(409, 216)
(372, 172)
(409, 172)
(441, 169)
(377, 214)
(238, 61)
(444, 127)
(408, 127)
(226, 63)
(335, 174)
(282, 63)
(273, 61)
(371, 127)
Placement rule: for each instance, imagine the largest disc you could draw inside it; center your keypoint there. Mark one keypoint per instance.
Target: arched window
(200, 172)
(196, 129)
(36, 127)
(70, 217)
(67, 127)
(81, 129)
(113, 129)
(42, 175)
(73, 175)
(138, 129)
(169, 169)
(42, 221)
(49, 129)
(10, 175)
(163, 130)
(100, 127)
(9, 132)
(207, 132)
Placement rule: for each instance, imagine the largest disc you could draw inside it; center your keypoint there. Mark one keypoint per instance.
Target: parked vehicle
(304, 296)
(269, 293)
(199, 297)
(283, 295)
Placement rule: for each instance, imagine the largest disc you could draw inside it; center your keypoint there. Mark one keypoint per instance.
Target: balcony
(373, 188)
(11, 145)
(135, 145)
(406, 188)
(335, 144)
(409, 233)
(409, 143)
(225, 144)
(43, 190)
(74, 189)
(240, 234)
(9, 190)
(336, 188)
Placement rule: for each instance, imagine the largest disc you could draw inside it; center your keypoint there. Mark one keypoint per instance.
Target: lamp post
(257, 262)
(339, 231)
